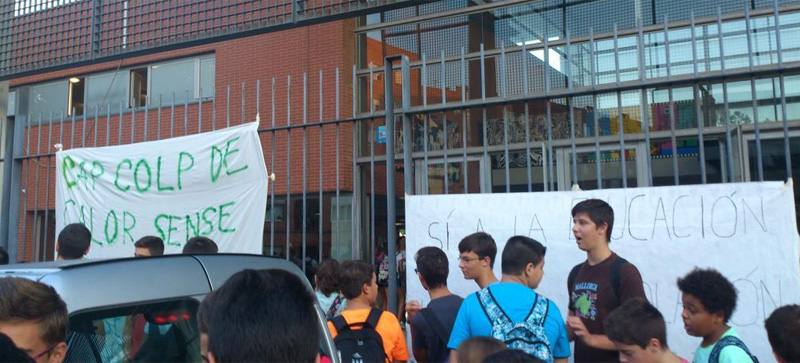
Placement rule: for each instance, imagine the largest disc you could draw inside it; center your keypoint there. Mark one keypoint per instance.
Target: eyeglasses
(36, 357)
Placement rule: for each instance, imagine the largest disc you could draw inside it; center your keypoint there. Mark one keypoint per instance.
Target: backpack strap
(727, 341)
(340, 324)
(539, 311)
(616, 276)
(438, 328)
(493, 311)
(337, 302)
(573, 274)
(373, 317)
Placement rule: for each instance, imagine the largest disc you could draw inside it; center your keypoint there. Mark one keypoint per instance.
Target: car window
(156, 332)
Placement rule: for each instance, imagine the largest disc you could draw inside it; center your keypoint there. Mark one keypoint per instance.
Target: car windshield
(158, 332)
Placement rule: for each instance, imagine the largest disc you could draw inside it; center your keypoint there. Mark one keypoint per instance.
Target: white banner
(746, 231)
(211, 184)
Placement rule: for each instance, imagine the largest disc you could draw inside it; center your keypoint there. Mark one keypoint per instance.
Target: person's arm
(597, 341)
(453, 356)
(561, 360)
(418, 344)
(570, 331)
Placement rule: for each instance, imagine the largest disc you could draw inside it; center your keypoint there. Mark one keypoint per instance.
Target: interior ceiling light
(74, 80)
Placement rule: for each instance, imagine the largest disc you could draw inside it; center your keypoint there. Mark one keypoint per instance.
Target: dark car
(107, 298)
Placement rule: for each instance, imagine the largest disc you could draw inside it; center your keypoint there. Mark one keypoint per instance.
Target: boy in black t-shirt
(599, 285)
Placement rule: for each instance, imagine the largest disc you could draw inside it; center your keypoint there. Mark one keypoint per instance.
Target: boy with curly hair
(709, 300)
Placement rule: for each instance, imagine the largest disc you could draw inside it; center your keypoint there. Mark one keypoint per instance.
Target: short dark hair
(354, 275)
(73, 241)
(152, 243)
(475, 349)
(519, 252)
(204, 311)
(714, 291)
(3, 256)
(200, 245)
(265, 315)
(433, 265)
(10, 353)
(481, 243)
(783, 331)
(27, 300)
(328, 275)
(598, 211)
(636, 322)
(511, 356)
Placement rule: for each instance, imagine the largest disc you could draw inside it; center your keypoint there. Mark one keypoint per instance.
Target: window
(207, 77)
(105, 89)
(76, 95)
(138, 87)
(173, 80)
(161, 332)
(46, 99)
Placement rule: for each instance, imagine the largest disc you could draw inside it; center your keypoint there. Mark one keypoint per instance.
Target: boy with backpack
(430, 327)
(598, 285)
(363, 333)
(511, 311)
(709, 300)
(638, 330)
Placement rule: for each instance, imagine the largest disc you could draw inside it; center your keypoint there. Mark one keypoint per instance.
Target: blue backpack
(728, 341)
(528, 335)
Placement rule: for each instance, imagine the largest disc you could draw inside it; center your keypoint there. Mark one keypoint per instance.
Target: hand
(412, 308)
(575, 324)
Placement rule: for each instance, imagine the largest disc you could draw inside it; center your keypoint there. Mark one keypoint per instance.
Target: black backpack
(362, 345)
(615, 278)
(728, 341)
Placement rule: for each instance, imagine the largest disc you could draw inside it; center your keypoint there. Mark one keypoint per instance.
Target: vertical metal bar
(505, 150)
(698, 99)
(338, 201)
(108, 121)
(786, 148)
(528, 147)
(371, 92)
(570, 104)
(444, 122)
(425, 124)
(465, 165)
(616, 55)
(371, 141)
(749, 40)
(321, 213)
(424, 75)
(199, 115)
(214, 113)
(119, 124)
(185, 114)
(621, 126)
(228, 107)
(242, 117)
(672, 107)
(546, 65)
(158, 129)
(728, 141)
(646, 128)
(355, 99)
(597, 164)
(72, 130)
(47, 186)
(146, 116)
(96, 116)
(288, 163)
(525, 81)
(305, 170)
(503, 84)
(390, 192)
(757, 130)
(83, 129)
(272, 170)
(27, 170)
(549, 143)
(34, 243)
(483, 79)
(133, 124)
(172, 117)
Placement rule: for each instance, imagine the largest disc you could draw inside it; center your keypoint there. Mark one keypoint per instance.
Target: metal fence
(39, 35)
(326, 147)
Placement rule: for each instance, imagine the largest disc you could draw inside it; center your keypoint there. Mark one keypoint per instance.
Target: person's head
(35, 318)
(357, 281)
(638, 331)
(149, 246)
(432, 267)
(511, 356)
(783, 331)
(709, 300)
(3, 256)
(265, 316)
(475, 349)
(523, 257)
(592, 222)
(73, 242)
(476, 254)
(203, 312)
(327, 277)
(200, 245)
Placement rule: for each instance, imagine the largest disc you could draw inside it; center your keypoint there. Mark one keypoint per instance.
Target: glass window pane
(106, 88)
(48, 98)
(207, 77)
(174, 77)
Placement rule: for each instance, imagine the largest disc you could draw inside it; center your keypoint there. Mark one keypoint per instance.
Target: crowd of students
(269, 315)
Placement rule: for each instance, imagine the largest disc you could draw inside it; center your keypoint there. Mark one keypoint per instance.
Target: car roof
(89, 284)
